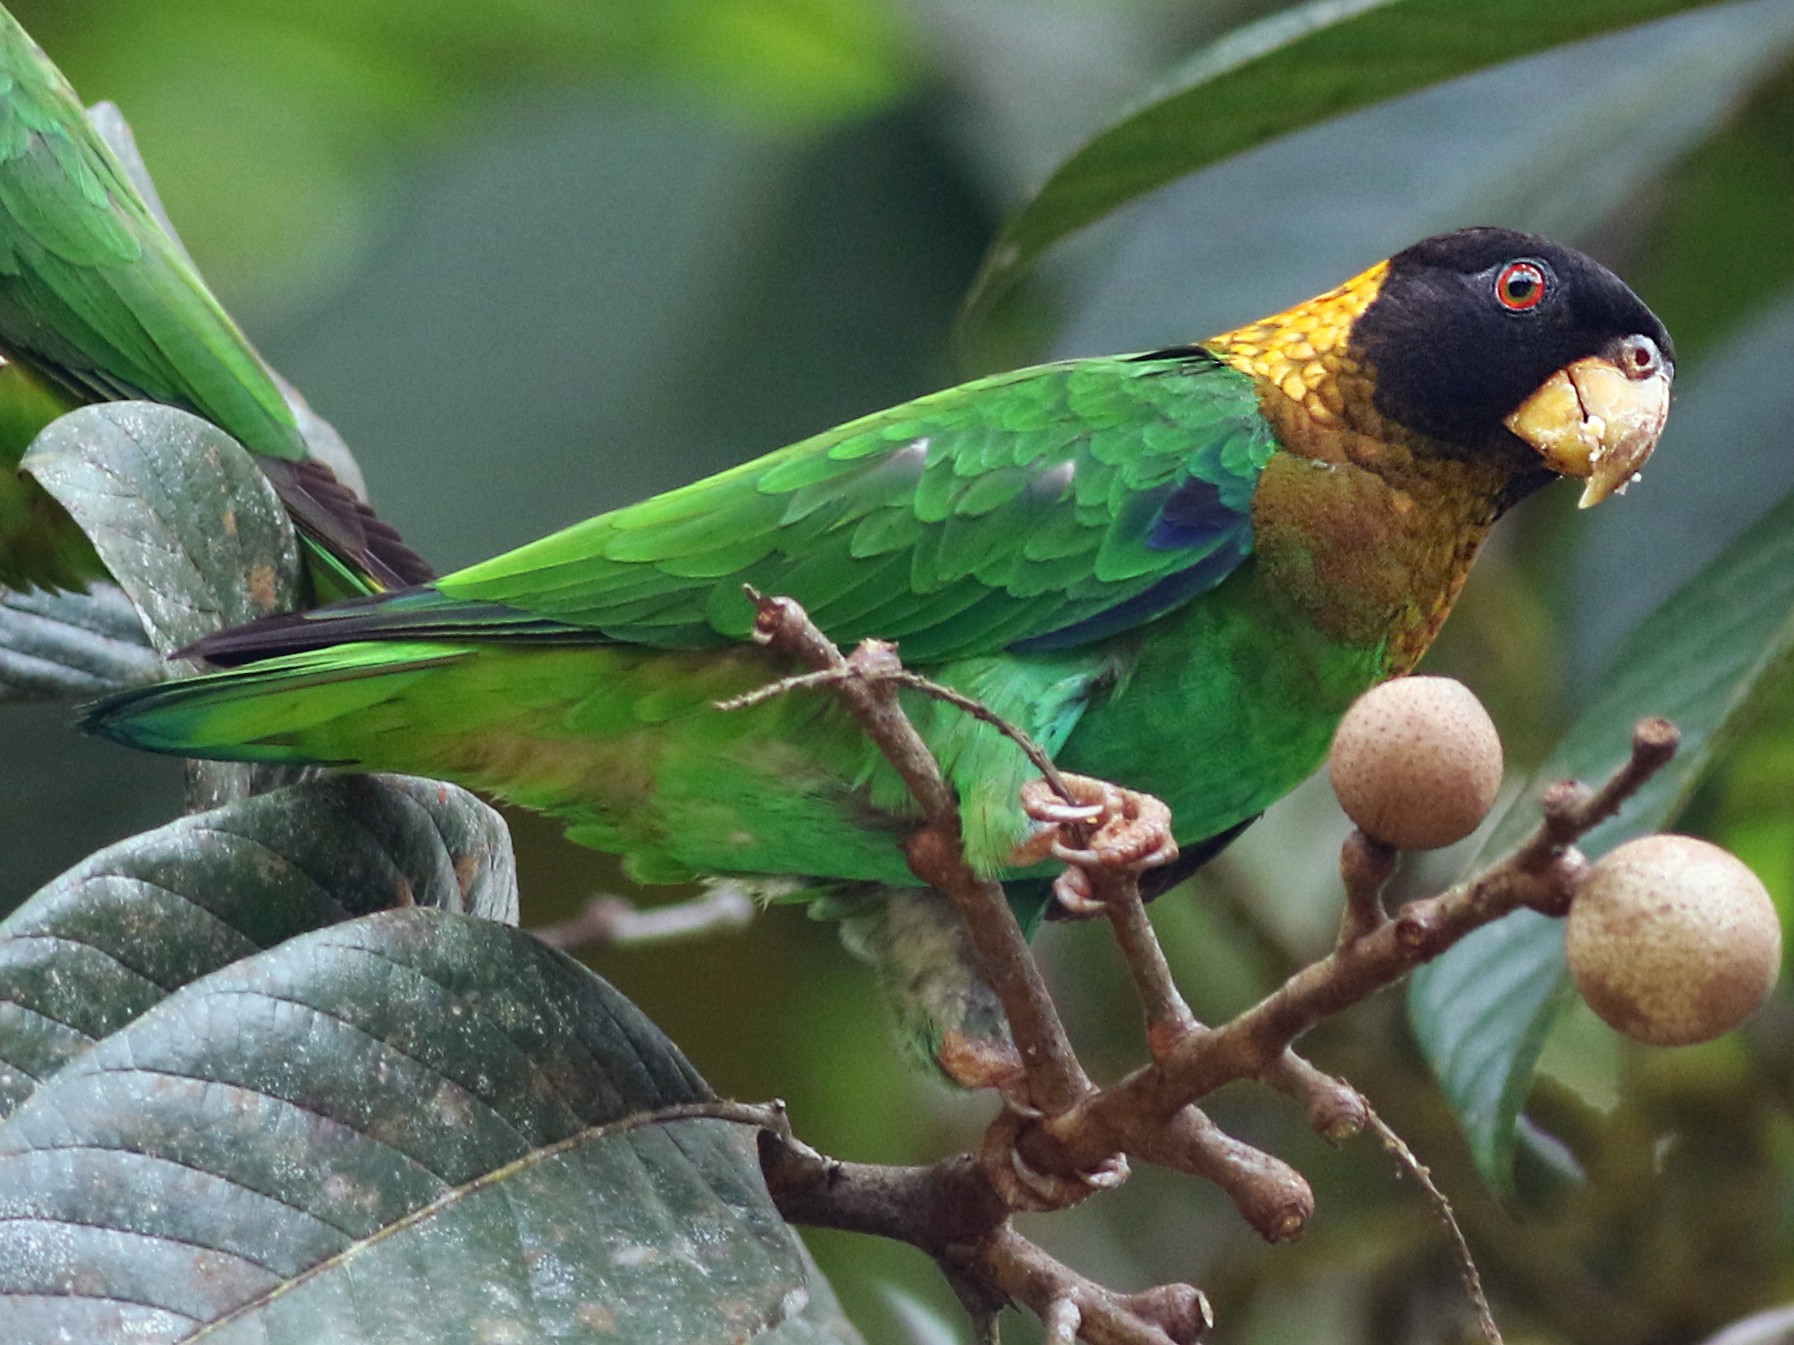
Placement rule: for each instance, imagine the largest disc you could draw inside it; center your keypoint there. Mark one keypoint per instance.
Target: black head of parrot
(1491, 340)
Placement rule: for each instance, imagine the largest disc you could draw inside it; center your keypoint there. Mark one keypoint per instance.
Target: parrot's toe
(1025, 1188)
(1102, 826)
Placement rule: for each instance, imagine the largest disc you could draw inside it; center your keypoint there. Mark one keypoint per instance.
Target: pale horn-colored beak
(1599, 417)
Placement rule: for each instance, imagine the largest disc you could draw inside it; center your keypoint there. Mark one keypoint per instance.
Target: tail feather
(353, 539)
(270, 711)
(409, 615)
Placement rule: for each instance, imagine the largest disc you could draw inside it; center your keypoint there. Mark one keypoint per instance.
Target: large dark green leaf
(55, 646)
(411, 1127)
(178, 511)
(1296, 68)
(132, 924)
(1699, 660)
(188, 526)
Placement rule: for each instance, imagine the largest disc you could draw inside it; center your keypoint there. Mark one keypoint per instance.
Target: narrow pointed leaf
(130, 925)
(1293, 69)
(1698, 660)
(414, 1126)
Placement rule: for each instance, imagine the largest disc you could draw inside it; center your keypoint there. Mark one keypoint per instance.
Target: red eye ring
(1520, 286)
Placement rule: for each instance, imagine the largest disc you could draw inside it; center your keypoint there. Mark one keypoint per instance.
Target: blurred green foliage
(539, 257)
(328, 97)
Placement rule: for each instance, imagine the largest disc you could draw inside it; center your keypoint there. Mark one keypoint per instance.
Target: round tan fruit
(1672, 940)
(1416, 762)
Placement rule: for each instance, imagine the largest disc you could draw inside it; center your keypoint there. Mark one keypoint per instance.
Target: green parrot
(1172, 570)
(98, 303)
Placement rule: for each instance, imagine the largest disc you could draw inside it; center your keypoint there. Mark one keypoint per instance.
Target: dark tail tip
(327, 511)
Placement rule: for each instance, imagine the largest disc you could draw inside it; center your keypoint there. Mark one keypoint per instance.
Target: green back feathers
(961, 523)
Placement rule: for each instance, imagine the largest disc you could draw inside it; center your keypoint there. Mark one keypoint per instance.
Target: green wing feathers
(990, 514)
(99, 301)
(1055, 505)
(91, 287)
(1007, 533)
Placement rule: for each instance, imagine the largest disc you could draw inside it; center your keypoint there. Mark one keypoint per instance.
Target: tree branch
(610, 921)
(1055, 1078)
(1365, 866)
(1176, 1314)
(950, 1212)
(1541, 872)
(1268, 1193)
(958, 1210)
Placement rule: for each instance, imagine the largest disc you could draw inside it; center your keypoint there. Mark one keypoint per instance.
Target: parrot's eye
(1520, 286)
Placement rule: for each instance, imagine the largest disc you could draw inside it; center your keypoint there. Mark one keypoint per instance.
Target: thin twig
(1365, 866)
(769, 1116)
(1055, 1078)
(1168, 1015)
(610, 921)
(1571, 810)
(1473, 1281)
(901, 676)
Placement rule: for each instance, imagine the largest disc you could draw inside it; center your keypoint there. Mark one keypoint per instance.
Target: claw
(1061, 813)
(1106, 827)
(1108, 1174)
(1072, 891)
(1161, 856)
(1023, 1187)
(1069, 854)
(1043, 803)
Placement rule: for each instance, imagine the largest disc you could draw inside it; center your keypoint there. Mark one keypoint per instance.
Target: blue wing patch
(1194, 515)
(1211, 520)
(1169, 592)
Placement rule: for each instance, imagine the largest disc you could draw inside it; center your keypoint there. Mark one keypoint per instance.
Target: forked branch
(958, 1210)
(1055, 1079)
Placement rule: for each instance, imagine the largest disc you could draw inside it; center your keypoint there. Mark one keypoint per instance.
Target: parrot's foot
(1106, 827)
(1026, 1189)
